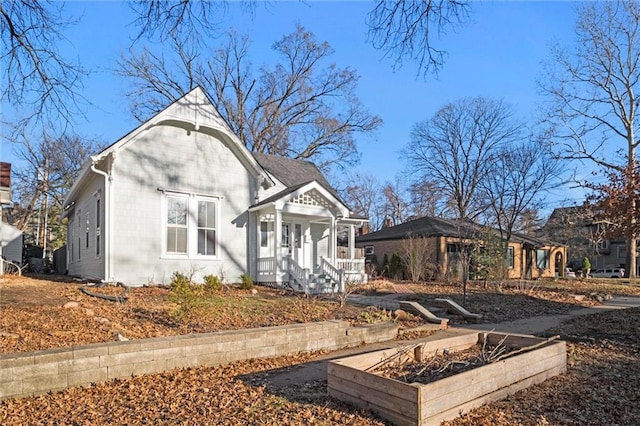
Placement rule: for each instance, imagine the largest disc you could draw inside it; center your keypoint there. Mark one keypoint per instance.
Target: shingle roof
(424, 227)
(292, 172)
(438, 227)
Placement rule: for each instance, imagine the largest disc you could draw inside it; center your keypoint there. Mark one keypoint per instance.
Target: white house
(181, 193)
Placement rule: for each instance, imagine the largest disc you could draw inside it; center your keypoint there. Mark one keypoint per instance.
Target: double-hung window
(191, 225)
(177, 226)
(206, 228)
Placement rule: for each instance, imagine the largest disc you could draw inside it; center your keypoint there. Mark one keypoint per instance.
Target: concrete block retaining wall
(30, 373)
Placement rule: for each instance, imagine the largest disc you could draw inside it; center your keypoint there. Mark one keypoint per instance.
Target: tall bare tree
(363, 194)
(36, 76)
(406, 29)
(453, 149)
(47, 170)
(521, 174)
(303, 107)
(594, 87)
(427, 199)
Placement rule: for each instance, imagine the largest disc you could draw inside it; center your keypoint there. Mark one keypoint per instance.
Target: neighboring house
(526, 257)
(181, 193)
(10, 236)
(585, 236)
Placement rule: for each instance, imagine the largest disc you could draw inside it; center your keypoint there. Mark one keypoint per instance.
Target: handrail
(298, 273)
(337, 275)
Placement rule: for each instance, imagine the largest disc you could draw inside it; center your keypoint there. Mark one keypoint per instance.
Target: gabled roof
(193, 112)
(439, 227)
(425, 227)
(292, 172)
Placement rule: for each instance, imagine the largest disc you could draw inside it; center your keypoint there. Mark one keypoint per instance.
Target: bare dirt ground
(600, 387)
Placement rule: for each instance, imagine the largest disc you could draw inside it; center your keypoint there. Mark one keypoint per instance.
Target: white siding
(11, 241)
(170, 158)
(83, 261)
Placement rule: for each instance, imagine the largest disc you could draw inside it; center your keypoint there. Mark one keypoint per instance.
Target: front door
(292, 242)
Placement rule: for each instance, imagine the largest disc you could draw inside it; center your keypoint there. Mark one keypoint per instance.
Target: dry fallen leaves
(600, 387)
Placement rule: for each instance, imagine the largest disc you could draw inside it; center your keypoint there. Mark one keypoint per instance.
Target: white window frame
(98, 225)
(192, 227)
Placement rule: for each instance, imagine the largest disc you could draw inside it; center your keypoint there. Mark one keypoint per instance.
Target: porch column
(277, 240)
(352, 242)
(333, 240)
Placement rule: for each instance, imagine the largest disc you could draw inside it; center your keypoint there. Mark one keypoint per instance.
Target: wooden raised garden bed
(515, 362)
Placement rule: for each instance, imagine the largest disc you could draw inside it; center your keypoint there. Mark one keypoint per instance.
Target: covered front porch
(296, 243)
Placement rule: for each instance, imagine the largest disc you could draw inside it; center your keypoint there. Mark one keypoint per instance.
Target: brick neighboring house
(584, 236)
(527, 257)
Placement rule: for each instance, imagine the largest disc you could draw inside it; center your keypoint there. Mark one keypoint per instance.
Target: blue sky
(498, 54)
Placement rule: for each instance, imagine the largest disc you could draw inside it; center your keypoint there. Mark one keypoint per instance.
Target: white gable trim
(280, 203)
(194, 112)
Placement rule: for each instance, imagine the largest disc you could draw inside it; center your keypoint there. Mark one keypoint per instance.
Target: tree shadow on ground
(305, 383)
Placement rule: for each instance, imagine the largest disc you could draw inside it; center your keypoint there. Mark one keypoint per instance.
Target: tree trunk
(631, 255)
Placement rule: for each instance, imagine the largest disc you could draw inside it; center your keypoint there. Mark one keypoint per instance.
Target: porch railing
(332, 272)
(298, 273)
(266, 267)
(350, 265)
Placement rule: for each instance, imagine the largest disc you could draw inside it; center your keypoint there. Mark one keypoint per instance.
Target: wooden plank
(455, 343)
(453, 383)
(373, 381)
(454, 412)
(437, 398)
(378, 398)
(394, 418)
(520, 364)
(451, 305)
(478, 389)
(366, 360)
(416, 308)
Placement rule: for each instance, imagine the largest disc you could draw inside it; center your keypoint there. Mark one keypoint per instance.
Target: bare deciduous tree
(47, 171)
(303, 107)
(415, 252)
(521, 174)
(427, 199)
(594, 87)
(406, 29)
(363, 194)
(453, 149)
(37, 77)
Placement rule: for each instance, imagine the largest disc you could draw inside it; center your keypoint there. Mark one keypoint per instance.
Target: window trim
(191, 226)
(547, 258)
(511, 257)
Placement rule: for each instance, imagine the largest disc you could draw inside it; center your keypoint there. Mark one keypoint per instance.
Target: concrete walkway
(539, 324)
(303, 375)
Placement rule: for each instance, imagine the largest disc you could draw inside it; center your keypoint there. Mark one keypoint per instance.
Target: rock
(120, 337)
(401, 315)
(579, 297)
(89, 312)
(9, 335)
(102, 320)
(254, 291)
(70, 305)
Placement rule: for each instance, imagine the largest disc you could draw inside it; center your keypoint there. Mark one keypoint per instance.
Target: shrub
(246, 282)
(187, 296)
(212, 284)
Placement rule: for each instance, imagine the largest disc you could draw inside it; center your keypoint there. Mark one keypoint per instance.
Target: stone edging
(31, 373)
